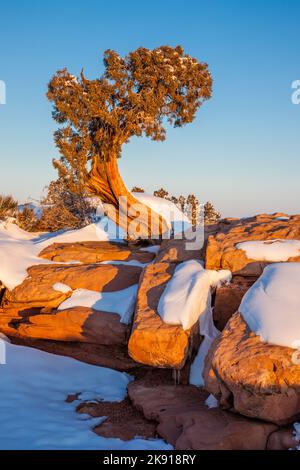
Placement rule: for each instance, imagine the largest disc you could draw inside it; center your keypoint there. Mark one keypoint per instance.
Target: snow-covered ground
(271, 250)
(121, 302)
(19, 249)
(271, 307)
(185, 296)
(33, 410)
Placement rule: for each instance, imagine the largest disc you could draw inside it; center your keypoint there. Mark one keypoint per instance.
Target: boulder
(30, 310)
(95, 252)
(221, 250)
(255, 379)
(152, 341)
(188, 424)
(81, 324)
(282, 439)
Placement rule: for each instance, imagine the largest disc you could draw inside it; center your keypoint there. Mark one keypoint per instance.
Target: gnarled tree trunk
(135, 218)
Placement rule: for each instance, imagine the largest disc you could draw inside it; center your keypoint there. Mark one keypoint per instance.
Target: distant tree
(135, 96)
(8, 206)
(193, 205)
(211, 215)
(161, 193)
(137, 189)
(182, 203)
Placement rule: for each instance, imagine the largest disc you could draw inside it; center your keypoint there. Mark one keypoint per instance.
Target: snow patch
(210, 332)
(271, 306)
(296, 433)
(211, 402)
(121, 302)
(271, 250)
(61, 287)
(185, 297)
(151, 249)
(34, 413)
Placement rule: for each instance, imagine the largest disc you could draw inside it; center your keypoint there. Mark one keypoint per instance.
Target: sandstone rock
(221, 251)
(282, 439)
(187, 424)
(253, 378)
(74, 324)
(30, 310)
(94, 252)
(175, 251)
(37, 289)
(227, 302)
(152, 341)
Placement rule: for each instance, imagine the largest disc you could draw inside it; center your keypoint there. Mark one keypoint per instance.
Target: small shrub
(8, 206)
(57, 217)
(27, 220)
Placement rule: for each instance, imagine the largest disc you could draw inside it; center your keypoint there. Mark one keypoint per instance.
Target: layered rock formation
(222, 252)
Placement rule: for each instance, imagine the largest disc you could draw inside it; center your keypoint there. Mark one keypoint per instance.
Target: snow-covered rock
(121, 302)
(185, 297)
(271, 307)
(271, 250)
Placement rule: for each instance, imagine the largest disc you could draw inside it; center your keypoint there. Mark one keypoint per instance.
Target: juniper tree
(135, 96)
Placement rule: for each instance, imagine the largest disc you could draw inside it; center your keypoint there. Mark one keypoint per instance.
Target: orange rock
(253, 378)
(152, 341)
(37, 289)
(174, 251)
(81, 324)
(221, 251)
(94, 252)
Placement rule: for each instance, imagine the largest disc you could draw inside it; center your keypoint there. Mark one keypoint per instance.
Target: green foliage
(135, 96)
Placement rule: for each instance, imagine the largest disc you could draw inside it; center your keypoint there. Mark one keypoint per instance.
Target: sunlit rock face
(225, 250)
(251, 377)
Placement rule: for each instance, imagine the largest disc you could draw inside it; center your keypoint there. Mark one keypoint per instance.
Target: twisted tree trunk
(135, 218)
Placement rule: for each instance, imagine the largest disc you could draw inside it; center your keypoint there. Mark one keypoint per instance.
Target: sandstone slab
(185, 421)
(95, 252)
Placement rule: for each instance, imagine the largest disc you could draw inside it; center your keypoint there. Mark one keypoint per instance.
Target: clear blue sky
(241, 152)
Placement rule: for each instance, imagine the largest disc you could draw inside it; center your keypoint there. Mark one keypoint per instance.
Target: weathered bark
(137, 219)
